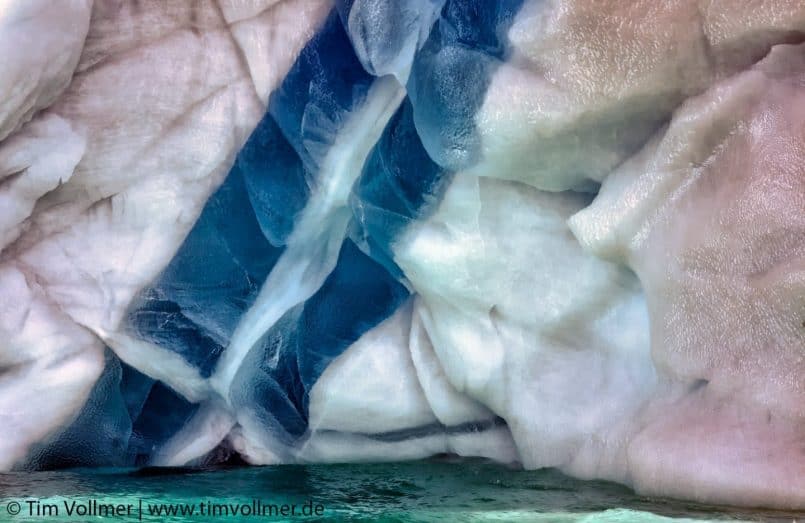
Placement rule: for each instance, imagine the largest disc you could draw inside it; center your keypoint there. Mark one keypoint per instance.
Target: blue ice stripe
(324, 85)
(195, 304)
(277, 184)
(433, 133)
(126, 418)
(387, 33)
(198, 300)
(451, 74)
(399, 184)
(277, 376)
(162, 415)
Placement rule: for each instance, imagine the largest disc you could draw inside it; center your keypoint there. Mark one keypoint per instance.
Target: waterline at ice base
(559, 234)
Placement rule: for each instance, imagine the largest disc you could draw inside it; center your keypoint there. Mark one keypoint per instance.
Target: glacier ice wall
(561, 234)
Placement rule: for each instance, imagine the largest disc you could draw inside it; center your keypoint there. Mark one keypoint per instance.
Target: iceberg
(551, 234)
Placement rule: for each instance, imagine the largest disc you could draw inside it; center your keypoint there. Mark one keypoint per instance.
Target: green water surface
(433, 490)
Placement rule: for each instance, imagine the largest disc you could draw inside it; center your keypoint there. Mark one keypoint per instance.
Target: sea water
(431, 490)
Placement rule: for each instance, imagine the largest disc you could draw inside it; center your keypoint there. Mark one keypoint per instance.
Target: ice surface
(158, 106)
(386, 34)
(711, 217)
(588, 80)
(52, 37)
(277, 183)
(525, 324)
(552, 233)
(398, 184)
(451, 74)
(193, 308)
(274, 383)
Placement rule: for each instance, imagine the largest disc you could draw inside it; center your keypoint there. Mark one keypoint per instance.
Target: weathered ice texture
(550, 233)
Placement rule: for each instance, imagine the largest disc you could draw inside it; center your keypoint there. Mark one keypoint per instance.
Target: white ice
(588, 81)
(100, 188)
(711, 216)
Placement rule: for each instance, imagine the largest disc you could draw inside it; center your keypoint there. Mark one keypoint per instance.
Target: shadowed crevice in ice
(163, 414)
(276, 377)
(472, 427)
(451, 74)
